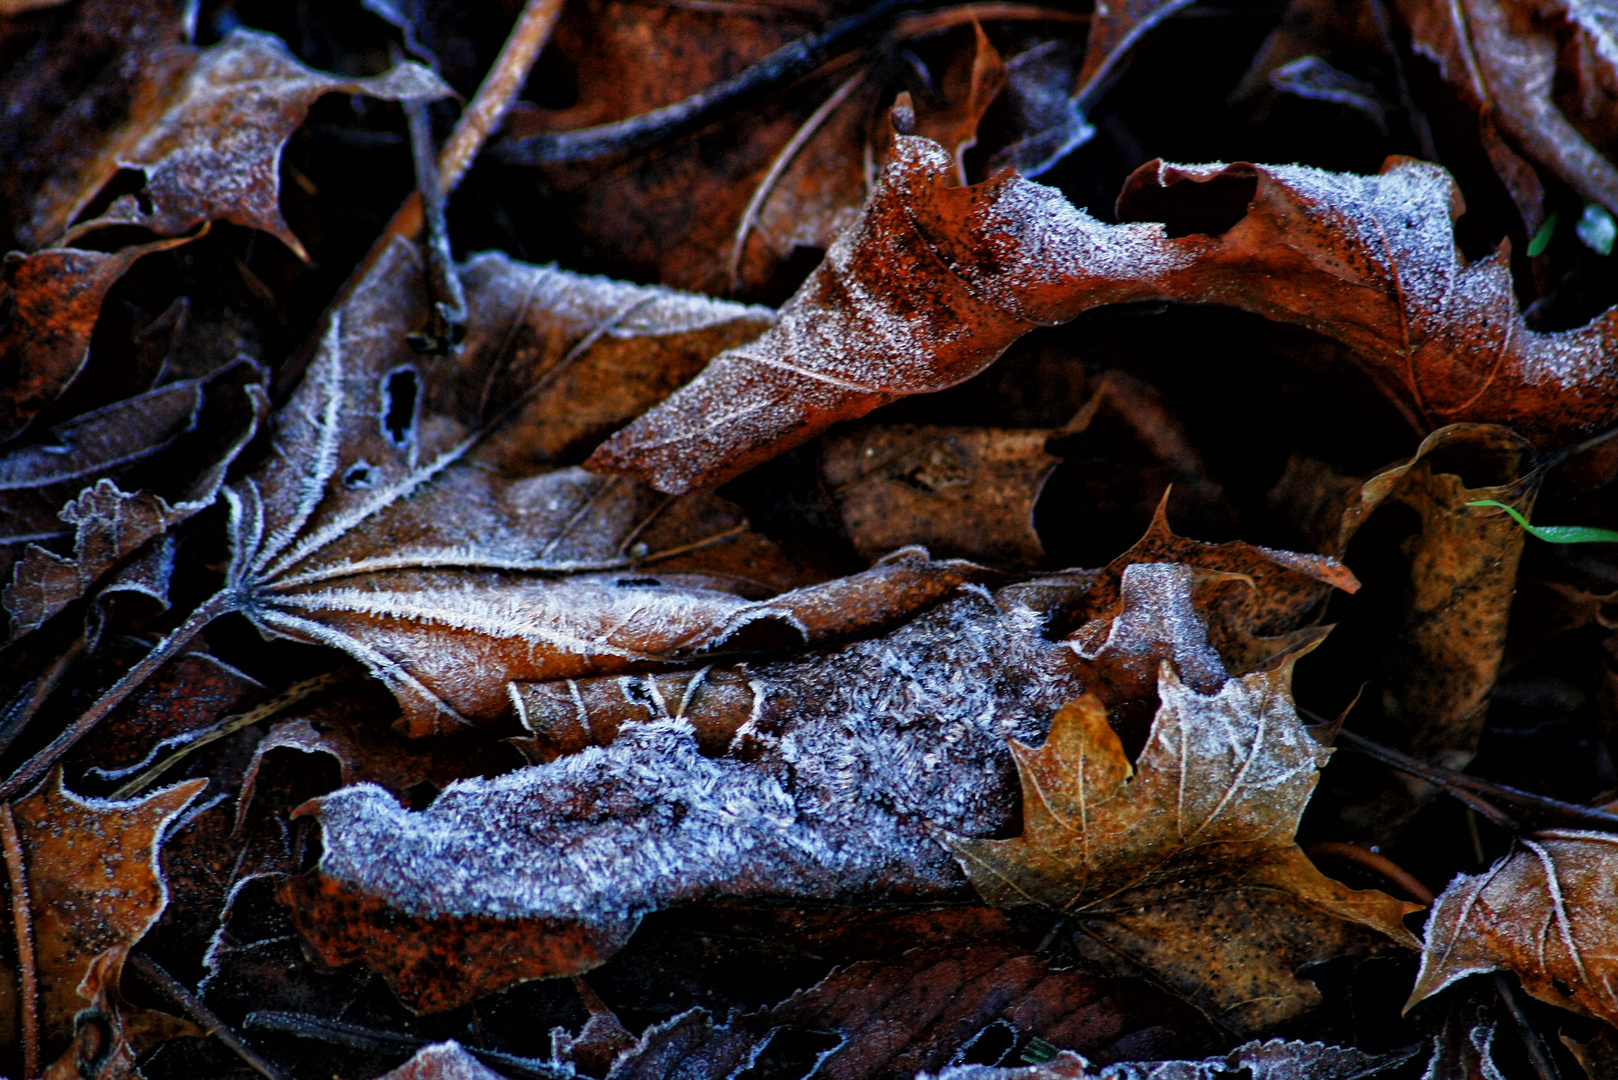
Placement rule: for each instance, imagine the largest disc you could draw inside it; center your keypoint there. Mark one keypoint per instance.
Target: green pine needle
(1556, 534)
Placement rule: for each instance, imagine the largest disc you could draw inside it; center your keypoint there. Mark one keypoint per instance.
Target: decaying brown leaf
(913, 1014)
(213, 154)
(1441, 662)
(1185, 861)
(94, 885)
(442, 1061)
(56, 296)
(1502, 57)
(109, 525)
(1544, 912)
(934, 281)
(366, 530)
(1275, 1059)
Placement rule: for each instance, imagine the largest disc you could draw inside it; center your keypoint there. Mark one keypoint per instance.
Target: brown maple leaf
(934, 281)
(1185, 861)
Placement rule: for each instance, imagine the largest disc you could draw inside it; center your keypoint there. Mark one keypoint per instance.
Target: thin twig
(1437, 774)
(498, 91)
(203, 1016)
(22, 920)
(787, 63)
(229, 726)
(1537, 1057)
(488, 107)
(1376, 863)
(446, 301)
(778, 168)
(221, 603)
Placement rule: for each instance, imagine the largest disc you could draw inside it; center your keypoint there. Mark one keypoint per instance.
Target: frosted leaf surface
(843, 780)
(933, 281)
(382, 524)
(214, 152)
(1544, 912)
(1276, 1059)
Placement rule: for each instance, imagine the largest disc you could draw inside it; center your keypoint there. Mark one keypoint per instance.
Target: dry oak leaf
(376, 526)
(1187, 860)
(933, 281)
(214, 153)
(1544, 912)
(94, 883)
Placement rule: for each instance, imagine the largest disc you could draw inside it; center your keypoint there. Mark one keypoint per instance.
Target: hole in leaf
(400, 389)
(420, 796)
(637, 582)
(790, 1054)
(360, 476)
(1189, 207)
(989, 1046)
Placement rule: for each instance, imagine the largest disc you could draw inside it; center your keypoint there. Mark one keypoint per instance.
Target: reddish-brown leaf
(56, 296)
(94, 884)
(1544, 912)
(934, 281)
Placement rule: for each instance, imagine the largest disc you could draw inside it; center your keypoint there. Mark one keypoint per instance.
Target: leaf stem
(222, 602)
(1376, 863)
(22, 919)
(203, 1016)
(1437, 774)
(1532, 1044)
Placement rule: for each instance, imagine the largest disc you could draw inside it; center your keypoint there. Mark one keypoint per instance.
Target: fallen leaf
(934, 281)
(94, 884)
(442, 1061)
(1116, 27)
(1541, 912)
(1501, 57)
(37, 480)
(1440, 660)
(916, 1012)
(957, 491)
(1185, 861)
(56, 296)
(101, 66)
(183, 700)
(579, 356)
(1277, 1059)
(509, 578)
(213, 153)
(109, 525)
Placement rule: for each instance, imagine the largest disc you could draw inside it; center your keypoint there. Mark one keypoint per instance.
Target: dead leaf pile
(758, 541)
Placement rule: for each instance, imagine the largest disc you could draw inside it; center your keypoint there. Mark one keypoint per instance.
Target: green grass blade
(1542, 238)
(1556, 534)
